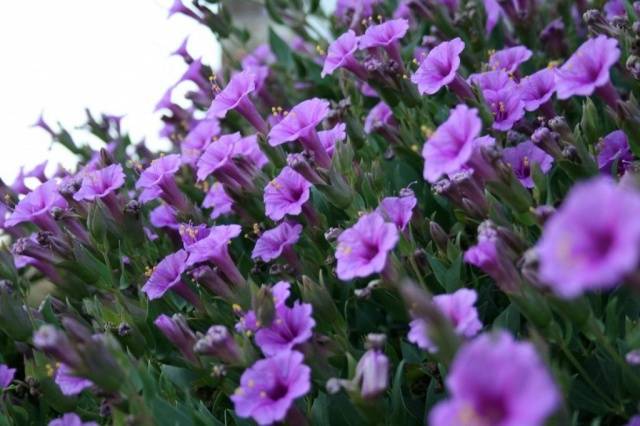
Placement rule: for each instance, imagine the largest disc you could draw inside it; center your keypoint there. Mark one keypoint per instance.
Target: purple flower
(634, 421)
(537, 89)
(372, 373)
(522, 156)
(458, 308)
(219, 343)
(100, 183)
(249, 149)
(191, 234)
(194, 74)
(291, 326)
(398, 210)
(592, 241)
(385, 34)
(236, 97)
(218, 200)
(451, 145)
(177, 331)
(341, 55)
(379, 116)
(286, 194)
(439, 68)
(363, 249)
(198, 139)
(506, 106)
(495, 380)
(269, 387)
(70, 419)
(215, 248)
(329, 138)
(166, 275)
(36, 205)
(509, 59)
(179, 7)
(157, 181)
(359, 8)
(258, 63)
(588, 68)
(218, 159)
(614, 9)
(614, 147)
(494, 12)
(276, 242)
(38, 171)
(6, 376)
(493, 81)
(69, 383)
(164, 216)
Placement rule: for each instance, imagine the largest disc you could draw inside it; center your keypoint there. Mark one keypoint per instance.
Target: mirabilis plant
(430, 217)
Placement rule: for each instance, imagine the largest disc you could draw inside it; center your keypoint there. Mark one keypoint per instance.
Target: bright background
(60, 56)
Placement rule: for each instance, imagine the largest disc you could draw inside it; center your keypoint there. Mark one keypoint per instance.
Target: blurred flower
(164, 216)
(522, 157)
(506, 106)
(614, 148)
(509, 59)
(70, 419)
(398, 210)
(199, 139)
(329, 138)
(372, 371)
(36, 205)
(6, 376)
(379, 116)
(69, 383)
(218, 199)
(177, 331)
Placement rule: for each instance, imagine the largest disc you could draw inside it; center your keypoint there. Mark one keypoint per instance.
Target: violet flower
(357, 9)
(509, 59)
(235, 96)
(387, 36)
(522, 157)
(194, 74)
(198, 139)
(177, 331)
(6, 376)
(614, 9)
(101, 184)
(300, 123)
(270, 386)
(494, 12)
(218, 199)
(341, 55)
(363, 249)
(495, 380)
(157, 181)
(458, 308)
(182, 50)
(537, 89)
(440, 68)
(179, 8)
(506, 106)
(70, 419)
(278, 242)
(258, 63)
(614, 147)
(398, 210)
(493, 81)
(372, 370)
(451, 145)
(36, 205)
(329, 138)
(286, 194)
(587, 70)
(379, 116)
(167, 275)
(164, 216)
(215, 248)
(68, 382)
(218, 343)
(38, 172)
(291, 326)
(593, 241)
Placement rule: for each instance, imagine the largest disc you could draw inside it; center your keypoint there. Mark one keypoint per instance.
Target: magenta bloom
(301, 123)
(166, 275)
(100, 183)
(258, 63)
(614, 9)
(157, 181)
(521, 158)
(71, 419)
(269, 387)
(506, 106)
(218, 159)
(379, 116)
(398, 210)
(218, 200)
(275, 242)
(588, 68)
(286, 194)
(6, 376)
(329, 138)
(439, 68)
(236, 97)
(363, 249)
(495, 380)
(451, 145)
(198, 139)
(537, 89)
(290, 327)
(509, 59)
(494, 12)
(69, 383)
(385, 34)
(164, 216)
(458, 308)
(614, 147)
(36, 205)
(493, 81)
(341, 55)
(592, 241)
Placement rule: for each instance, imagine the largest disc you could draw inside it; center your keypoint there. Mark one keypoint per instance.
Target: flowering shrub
(431, 217)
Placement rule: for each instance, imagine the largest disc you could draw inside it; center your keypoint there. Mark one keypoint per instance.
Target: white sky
(60, 56)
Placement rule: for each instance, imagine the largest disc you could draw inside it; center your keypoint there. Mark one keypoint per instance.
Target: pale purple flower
(380, 115)
(506, 106)
(218, 159)
(509, 59)
(359, 8)
(341, 55)
(537, 89)
(166, 275)
(291, 326)
(274, 242)
(194, 74)
(286, 194)
(68, 382)
(384, 34)
(269, 387)
(494, 12)
(258, 63)
(329, 138)
(614, 9)
(363, 249)
(456, 307)
(593, 241)
(36, 205)
(451, 145)
(588, 68)
(164, 216)
(398, 210)
(521, 159)
(249, 149)
(182, 50)
(439, 68)
(214, 248)
(100, 183)
(614, 147)
(497, 381)
(6, 376)
(70, 419)
(157, 181)
(19, 186)
(179, 8)
(38, 171)
(634, 421)
(493, 81)
(218, 199)
(199, 139)
(372, 373)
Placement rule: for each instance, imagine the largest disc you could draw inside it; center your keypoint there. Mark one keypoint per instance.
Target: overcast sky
(60, 56)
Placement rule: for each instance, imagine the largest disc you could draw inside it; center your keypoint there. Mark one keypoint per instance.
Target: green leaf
(281, 49)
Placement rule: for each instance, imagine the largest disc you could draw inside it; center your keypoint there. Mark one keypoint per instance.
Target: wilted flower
(277, 242)
(269, 387)
(522, 157)
(286, 194)
(69, 383)
(495, 380)
(509, 59)
(218, 342)
(363, 249)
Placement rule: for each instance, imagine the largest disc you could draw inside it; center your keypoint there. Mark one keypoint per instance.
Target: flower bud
(14, 320)
(55, 343)
(178, 332)
(372, 371)
(219, 343)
